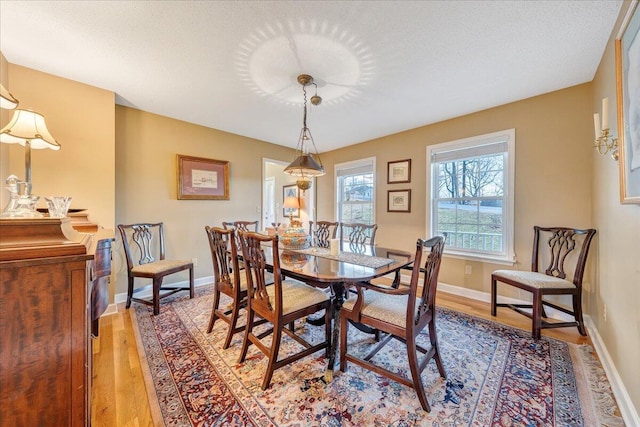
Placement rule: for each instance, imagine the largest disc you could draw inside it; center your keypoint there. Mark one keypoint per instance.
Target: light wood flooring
(119, 397)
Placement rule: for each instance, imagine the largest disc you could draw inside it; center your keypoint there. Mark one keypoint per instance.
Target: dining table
(352, 266)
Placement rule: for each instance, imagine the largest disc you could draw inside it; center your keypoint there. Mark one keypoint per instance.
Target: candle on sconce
(605, 113)
(596, 124)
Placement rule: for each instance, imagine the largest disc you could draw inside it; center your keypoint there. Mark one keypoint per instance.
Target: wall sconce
(604, 142)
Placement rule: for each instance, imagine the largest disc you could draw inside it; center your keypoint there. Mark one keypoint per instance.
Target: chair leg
(232, 325)
(214, 315)
(273, 356)
(157, 284)
(415, 374)
(433, 336)
(328, 332)
(577, 312)
(494, 295)
(537, 320)
(248, 329)
(191, 284)
(129, 292)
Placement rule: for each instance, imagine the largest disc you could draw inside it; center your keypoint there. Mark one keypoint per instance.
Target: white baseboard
(627, 409)
(111, 310)
(122, 297)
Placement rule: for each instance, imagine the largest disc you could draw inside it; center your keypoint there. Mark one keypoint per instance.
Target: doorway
(273, 181)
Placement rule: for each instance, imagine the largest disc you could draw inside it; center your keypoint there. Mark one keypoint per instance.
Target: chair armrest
(384, 289)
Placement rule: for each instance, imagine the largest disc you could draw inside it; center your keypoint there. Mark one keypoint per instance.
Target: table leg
(338, 291)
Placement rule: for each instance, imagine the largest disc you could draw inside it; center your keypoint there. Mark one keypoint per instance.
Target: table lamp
(28, 129)
(291, 202)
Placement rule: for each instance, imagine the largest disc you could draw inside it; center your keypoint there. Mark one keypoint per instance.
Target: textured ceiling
(381, 66)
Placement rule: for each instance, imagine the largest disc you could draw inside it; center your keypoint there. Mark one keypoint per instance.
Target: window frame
(508, 136)
(354, 164)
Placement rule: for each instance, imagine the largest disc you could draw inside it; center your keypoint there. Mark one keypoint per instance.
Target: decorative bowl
(295, 238)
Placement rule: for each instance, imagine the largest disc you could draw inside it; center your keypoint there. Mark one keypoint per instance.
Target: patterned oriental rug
(496, 376)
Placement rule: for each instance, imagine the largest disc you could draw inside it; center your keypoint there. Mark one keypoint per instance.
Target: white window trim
(352, 165)
(510, 136)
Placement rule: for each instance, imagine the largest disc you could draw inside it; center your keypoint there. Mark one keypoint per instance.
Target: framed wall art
(399, 171)
(628, 95)
(202, 179)
(399, 201)
(290, 191)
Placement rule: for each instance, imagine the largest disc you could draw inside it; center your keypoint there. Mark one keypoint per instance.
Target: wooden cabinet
(46, 275)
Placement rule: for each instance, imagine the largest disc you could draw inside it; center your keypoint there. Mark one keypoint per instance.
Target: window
(472, 184)
(355, 191)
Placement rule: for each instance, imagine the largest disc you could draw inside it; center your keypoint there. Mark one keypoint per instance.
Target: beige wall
(146, 188)
(552, 180)
(81, 118)
(617, 260)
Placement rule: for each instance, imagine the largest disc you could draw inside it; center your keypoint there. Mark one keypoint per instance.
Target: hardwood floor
(119, 396)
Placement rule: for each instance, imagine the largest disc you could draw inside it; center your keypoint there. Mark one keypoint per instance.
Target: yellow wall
(552, 179)
(617, 259)
(81, 118)
(146, 187)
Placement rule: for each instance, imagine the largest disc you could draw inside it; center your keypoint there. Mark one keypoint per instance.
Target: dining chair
(358, 236)
(227, 280)
(241, 225)
(146, 259)
(553, 247)
(322, 232)
(281, 304)
(402, 314)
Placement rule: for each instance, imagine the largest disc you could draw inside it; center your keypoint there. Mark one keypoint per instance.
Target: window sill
(481, 257)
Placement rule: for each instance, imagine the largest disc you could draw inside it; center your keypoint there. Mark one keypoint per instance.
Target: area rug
(496, 376)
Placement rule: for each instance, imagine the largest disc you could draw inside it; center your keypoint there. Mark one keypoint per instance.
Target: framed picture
(399, 171)
(399, 201)
(202, 179)
(628, 95)
(290, 191)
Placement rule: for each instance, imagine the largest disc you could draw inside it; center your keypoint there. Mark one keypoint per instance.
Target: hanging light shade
(305, 164)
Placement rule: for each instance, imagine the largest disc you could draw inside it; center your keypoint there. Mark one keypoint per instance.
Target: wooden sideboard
(47, 275)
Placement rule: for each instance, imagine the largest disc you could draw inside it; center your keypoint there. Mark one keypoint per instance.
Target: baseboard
(122, 297)
(627, 409)
(111, 310)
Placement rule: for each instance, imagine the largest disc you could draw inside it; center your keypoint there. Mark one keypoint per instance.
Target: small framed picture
(399, 201)
(202, 179)
(399, 171)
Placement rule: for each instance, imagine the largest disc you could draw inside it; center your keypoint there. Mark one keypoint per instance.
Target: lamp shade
(27, 126)
(291, 202)
(304, 165)
(7, 101)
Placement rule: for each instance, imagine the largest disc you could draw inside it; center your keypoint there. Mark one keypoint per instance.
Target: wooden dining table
(317, 267)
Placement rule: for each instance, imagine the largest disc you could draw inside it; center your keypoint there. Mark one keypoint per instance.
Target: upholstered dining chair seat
(297, 295)
(389, 308)
(159, 266)
(535, 279)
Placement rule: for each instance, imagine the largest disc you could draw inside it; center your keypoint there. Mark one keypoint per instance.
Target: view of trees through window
(469, 202)
(356, 198)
